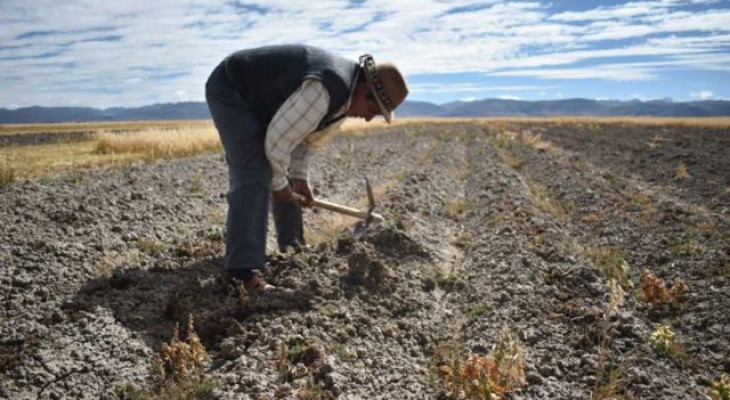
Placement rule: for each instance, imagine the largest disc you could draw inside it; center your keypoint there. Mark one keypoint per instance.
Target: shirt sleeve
(300, 115)
(300, 160)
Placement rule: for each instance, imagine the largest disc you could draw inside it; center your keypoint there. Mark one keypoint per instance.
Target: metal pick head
(359, 230)
(371, 198)
(362, 227)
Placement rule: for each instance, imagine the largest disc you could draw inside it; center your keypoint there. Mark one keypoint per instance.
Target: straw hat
(387, 84)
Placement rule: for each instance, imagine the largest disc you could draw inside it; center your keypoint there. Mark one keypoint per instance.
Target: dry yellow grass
(109, 149)
(34, 161)
(156, 143)
(698, 121)
(131, 126)
(355, 126)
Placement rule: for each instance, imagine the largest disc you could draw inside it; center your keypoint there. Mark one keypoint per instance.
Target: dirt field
(543, 229)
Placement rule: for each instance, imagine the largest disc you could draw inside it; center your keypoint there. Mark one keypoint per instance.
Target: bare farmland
(526, 237)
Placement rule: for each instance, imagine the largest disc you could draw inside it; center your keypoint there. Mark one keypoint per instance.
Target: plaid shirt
(288, 139)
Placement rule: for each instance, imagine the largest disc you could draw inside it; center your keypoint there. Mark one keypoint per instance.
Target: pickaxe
(368, 216)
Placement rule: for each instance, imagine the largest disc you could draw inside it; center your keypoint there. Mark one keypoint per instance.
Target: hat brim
(387, 114)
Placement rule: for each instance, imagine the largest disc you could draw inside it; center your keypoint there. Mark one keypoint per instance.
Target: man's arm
(300, 115)
(300, 157)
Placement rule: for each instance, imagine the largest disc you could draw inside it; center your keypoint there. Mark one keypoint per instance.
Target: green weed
(664, 341)
(721, 388)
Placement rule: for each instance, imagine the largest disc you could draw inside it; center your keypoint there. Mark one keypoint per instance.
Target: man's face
(363, 103)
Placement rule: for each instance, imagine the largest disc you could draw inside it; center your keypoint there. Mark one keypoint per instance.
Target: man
(272, 107)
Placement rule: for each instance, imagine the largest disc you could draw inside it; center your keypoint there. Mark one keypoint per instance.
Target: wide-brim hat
(386, 83)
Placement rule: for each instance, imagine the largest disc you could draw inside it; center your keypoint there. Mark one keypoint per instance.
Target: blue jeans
(249, 174)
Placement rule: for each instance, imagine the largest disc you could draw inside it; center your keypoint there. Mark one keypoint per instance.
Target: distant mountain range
(479, 108)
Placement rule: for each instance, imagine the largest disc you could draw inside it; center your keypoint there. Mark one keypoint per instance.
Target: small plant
(311, 391)
(663, 340)
(7, 174)
(503, 139)
(245, 303)
(506, 138)
(450, 281)
(177, 373)
(655, 291)
(196, 186)
(463, 239)
(455, 208)
(486, 377)
(721, 269)
(113, 260)
(641, 200)
(689, 244)
(610, 375)
(298, 361)
(480, 310)
(611, 261)
(497, 219)
(150, 247)
(534, 141)
(613, 381)
(184, 359)
(545, 200)
(721, 388)
(682, 172)
(344, 353)
(512, 160)
(616, 298)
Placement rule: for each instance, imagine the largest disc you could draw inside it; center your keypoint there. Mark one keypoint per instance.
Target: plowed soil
(490, 226)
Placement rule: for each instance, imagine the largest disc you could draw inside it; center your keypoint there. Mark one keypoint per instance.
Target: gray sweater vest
(266, 76)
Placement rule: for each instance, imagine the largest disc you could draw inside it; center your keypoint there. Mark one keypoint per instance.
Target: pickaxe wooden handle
(353, 212)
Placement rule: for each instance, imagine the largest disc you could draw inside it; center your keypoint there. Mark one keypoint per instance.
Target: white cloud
(703, 95)
(55, 53)
(625, 11)
(469, 87)
(625, 72)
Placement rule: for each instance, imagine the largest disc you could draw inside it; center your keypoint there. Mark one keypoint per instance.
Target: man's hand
(301, 186)
(284, 195)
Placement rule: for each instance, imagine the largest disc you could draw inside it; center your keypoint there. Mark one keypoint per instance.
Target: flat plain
(559, 258)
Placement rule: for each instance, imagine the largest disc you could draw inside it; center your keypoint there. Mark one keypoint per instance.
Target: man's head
(380, 90)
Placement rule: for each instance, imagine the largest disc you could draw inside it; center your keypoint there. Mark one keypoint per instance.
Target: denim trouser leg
(248, 172)
(289, 225)
(243, 139)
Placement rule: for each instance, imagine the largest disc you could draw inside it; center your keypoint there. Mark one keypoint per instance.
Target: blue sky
(133, 53)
